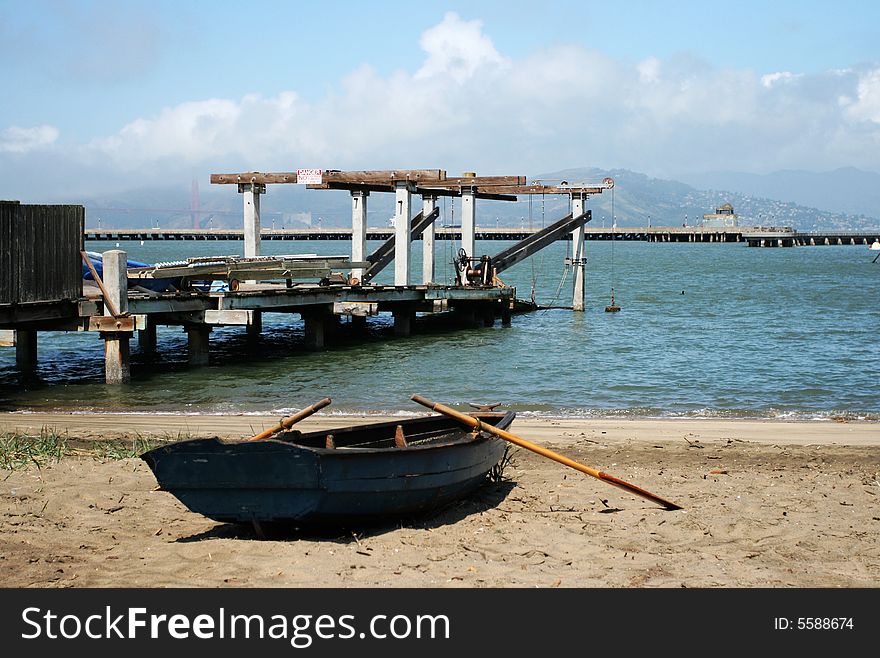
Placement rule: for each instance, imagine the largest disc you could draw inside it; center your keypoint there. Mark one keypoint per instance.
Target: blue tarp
(156, 285)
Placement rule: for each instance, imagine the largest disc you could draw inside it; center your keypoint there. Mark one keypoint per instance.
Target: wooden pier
(197, 312)
(753, 236)
(122, 306)
(123, 310)
(643, 234)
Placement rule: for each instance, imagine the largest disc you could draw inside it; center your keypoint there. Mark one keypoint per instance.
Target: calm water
(705, 330)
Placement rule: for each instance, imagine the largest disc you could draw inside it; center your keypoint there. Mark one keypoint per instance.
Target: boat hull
(279, 480)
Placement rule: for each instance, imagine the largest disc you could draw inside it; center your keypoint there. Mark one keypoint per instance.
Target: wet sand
(766, 504)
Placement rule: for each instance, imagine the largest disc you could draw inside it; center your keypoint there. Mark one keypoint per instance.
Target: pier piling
(468, 221)
(505, 313)
(251, 199)
(358, 231)
(402, 233)
(255, 327)
(578, 259)
(117, 361)
(404, 318)
(147, 338)
(26, 350)
(428, 260)
(198, 340)
(317, 326)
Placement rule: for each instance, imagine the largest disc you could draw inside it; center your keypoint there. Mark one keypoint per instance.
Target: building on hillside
(723, 217)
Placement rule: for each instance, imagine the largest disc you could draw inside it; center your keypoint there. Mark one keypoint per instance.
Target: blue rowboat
(360, 472)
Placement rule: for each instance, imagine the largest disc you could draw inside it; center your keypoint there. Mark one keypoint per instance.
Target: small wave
(525, 411)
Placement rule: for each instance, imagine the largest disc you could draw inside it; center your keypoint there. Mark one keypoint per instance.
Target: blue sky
(110, 95)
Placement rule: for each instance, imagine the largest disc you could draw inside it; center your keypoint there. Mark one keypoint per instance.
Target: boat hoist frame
(470, 270)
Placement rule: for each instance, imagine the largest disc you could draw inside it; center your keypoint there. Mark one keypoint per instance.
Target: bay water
(705, 330)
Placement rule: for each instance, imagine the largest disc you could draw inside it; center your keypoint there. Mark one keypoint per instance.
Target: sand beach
(766, 504)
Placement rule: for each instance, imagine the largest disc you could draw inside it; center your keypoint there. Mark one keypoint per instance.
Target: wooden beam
(482, 193)
(545, 189)
(11, 314)
(226, 317)
(334, 176)
(253, 177)
(127, 324)
(387, 176)
(349, 181)
(480, 181)
(353, 187)
(496, 197)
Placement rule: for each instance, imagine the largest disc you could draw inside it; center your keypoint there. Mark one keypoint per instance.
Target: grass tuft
(20, 450)
(124, 448)
(24, 450)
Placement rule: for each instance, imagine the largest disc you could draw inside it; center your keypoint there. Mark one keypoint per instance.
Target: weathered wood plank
(333, 176)
(126, 324)
(428, 189)
(257, 177)
(481, 181)
(386, 176)
(353, 187)
(39, 252)
(545, 189)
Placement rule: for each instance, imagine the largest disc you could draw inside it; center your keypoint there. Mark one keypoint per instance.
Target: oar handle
(544, 452)
(290, 420)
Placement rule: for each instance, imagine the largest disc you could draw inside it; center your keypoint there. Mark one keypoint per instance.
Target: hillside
(637, 200)
(846, 190)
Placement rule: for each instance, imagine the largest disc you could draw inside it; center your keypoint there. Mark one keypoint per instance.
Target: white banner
(309, 176)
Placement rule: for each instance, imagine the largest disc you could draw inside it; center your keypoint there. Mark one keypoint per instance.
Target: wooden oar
(470, 421)
(290, 420)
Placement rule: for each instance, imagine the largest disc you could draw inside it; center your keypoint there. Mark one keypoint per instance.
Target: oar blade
(644, 493)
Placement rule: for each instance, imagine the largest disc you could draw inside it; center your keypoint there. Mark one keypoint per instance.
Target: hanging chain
(613, 230)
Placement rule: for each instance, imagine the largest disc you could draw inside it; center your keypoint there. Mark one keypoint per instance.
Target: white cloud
(458, 49)
(780, 77)
(22, 140)
(866, 105)
(468, 107)
(649, 70)
(190, 131)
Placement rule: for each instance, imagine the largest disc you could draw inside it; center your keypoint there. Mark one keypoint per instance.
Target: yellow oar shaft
(470, 421)
(290, 420)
